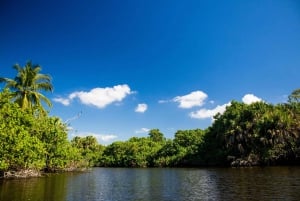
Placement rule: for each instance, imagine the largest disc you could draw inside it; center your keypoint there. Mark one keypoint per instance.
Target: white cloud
(99, 97)
(142, 130)
(206, 113)
(101, 138)
(63, 101)
(195, 98)
(105, 138)
(250, 98)
(141, 108)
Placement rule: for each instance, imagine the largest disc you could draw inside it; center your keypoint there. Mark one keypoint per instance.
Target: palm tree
(294, 96)
(26, 85)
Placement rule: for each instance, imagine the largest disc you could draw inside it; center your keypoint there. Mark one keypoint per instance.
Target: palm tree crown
(27, 84)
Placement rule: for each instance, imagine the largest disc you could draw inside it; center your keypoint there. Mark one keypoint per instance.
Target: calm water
(272, 183)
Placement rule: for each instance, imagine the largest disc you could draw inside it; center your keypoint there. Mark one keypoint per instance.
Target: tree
(190, 142)
(187, 138)
(294, 96)
(27, 84)
(170, 154)
(254, 134)
(156, 135)
(89, 149)
(19, 149)
(52, 132)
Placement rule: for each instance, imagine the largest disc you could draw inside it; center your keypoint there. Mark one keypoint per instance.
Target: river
(158, 184)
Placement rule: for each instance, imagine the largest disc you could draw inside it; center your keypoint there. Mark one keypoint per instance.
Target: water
(114, 184)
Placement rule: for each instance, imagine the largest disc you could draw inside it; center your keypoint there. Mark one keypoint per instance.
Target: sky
(121, 68)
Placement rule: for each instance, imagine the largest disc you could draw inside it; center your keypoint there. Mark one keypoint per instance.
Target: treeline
(155, 150)
(244, 135)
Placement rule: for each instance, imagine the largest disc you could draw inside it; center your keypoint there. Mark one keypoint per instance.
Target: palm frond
(44, 86)
(46, 100)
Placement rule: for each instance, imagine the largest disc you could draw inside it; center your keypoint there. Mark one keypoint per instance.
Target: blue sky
(120, 68)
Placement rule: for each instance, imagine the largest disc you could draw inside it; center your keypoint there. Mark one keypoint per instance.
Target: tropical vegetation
(244, 135)
(26, 85)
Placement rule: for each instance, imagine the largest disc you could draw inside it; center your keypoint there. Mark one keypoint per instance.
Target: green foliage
(89, 149)
(19, 149)
(258, 133)
(29, 138)
(53, 133)
(114, 155)
(182, 151)
(154, 151)
(294, 97)
(170, 154)
(30, 141)
(136, 152)
(254, 134)
(156, 136)
(27, 84)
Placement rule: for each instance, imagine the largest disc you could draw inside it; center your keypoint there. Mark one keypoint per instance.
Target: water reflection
(276, 183)
(46, 188)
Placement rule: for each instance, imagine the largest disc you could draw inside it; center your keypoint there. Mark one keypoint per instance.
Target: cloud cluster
(141, 108)
(102, 97)
(195, 98)
(204, 113)
(99, 97)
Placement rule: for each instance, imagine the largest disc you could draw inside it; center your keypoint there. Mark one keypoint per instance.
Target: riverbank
(31, 173)
(28, 173)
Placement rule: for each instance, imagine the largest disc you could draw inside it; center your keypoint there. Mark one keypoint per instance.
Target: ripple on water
(155, 184)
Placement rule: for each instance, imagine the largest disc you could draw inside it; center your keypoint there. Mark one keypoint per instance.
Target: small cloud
(70, 128)
(212, 102)
(163, 101)
(142, 130)
(105, 138)
(195, 98)
(209, 113)
(250, 98)
(63, 101)
(141, 108)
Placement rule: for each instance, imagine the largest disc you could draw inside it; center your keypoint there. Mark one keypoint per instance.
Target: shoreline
(21, 174)
(32, 173)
